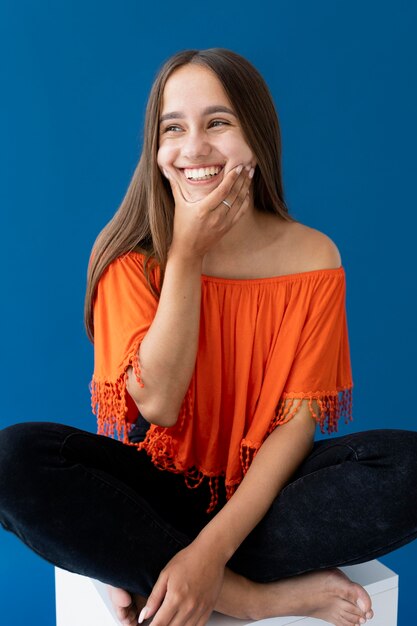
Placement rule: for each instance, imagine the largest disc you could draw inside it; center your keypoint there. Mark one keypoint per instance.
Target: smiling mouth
(202, 174)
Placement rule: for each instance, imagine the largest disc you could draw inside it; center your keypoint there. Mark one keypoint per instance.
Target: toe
(342, 621)
(354, 613)
(363, 599)
(121, 613)
(351, 618)
(119, 597)
(130, 617)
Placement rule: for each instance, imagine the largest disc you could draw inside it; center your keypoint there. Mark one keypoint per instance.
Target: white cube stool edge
(82, 601)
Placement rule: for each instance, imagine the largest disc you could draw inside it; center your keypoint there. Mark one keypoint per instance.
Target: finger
(181, 610)
(241, 186)
(187, 613)
(218, 194)
(241, 210)
(155, 599)
(241, 195)
(242, 192)
(165, 615)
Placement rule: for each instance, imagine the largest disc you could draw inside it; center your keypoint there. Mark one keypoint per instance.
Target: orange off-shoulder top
(261, 342)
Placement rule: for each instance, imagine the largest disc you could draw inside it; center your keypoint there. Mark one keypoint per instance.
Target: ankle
(254, 601)
(239, 597)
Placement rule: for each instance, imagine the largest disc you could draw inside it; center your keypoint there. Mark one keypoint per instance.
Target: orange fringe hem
(109, 405)
(331, 408)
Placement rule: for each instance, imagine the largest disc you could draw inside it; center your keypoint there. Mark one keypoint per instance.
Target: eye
(219, 122)
(172, 128)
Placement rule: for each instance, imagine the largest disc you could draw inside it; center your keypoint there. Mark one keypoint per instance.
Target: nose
(196, 144)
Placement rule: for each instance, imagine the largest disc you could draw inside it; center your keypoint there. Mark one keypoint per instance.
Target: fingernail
(251, 173)
(239, 168)
(142, 615)
(165, 173)
(361, 604)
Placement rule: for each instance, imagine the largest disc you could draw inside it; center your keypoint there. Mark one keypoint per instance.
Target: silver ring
(227, 204)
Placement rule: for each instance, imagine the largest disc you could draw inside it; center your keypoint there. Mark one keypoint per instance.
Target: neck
(248, 248)
(246, 234)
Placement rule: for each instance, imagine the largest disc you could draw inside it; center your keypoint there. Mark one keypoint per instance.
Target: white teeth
(202, 172)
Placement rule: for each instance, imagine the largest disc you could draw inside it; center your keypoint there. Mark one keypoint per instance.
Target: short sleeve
(124, 309)
(321, 368)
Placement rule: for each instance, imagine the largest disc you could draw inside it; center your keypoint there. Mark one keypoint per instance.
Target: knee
(16, 446)
(388, 446)
(12, 444)
(22, 447)
(406, 455)
(398, 457)
(13, 448)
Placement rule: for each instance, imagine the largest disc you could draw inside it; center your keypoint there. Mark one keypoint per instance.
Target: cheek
(238, 150)
(166, 155)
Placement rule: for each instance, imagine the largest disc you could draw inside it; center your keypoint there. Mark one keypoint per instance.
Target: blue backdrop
(75, 79)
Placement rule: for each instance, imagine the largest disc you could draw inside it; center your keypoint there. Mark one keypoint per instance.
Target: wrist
(215, 545)
(179, 254)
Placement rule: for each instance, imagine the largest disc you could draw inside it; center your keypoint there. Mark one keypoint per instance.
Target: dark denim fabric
(97, 507)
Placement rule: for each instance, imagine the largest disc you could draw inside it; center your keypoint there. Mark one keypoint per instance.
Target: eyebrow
(216, 108)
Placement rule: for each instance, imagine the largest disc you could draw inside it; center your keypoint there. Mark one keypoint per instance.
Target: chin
(194, 196)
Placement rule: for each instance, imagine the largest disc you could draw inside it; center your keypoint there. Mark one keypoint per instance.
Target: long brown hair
(145, 217)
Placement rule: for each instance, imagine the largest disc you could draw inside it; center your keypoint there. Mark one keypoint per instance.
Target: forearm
(168, 352)
(276, 461)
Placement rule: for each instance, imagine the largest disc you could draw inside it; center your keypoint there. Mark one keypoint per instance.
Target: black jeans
(97, 507)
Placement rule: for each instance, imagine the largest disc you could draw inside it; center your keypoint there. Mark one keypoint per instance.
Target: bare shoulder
(314, 249)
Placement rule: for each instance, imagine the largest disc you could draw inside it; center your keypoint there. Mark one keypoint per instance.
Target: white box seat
(82, 601)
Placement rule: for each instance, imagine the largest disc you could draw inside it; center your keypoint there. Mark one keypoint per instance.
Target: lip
(209, 181)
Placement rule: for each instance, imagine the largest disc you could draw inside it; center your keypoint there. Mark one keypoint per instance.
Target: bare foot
(126, 606)
(324, 594)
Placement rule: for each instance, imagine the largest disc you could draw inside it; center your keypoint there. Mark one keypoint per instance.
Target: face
(200, 137)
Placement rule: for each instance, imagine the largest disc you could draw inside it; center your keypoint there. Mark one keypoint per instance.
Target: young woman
(220, 340)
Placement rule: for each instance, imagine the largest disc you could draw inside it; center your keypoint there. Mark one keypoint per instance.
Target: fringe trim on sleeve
(108, 402)
(109, 405)
(136, 368)
(160, 447)
(247, 454)
(333, 405)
